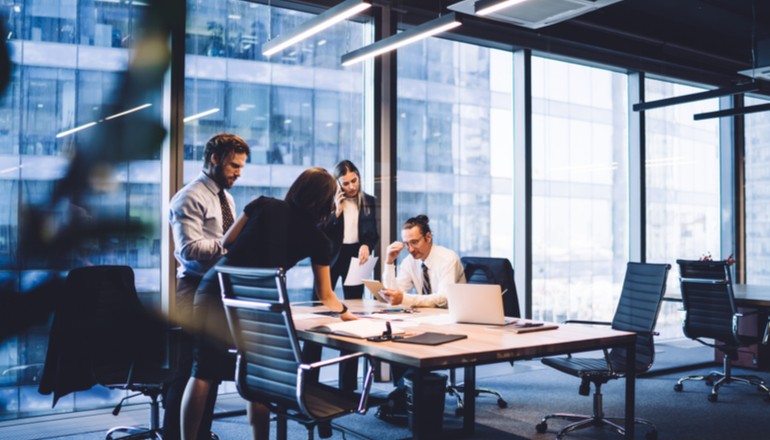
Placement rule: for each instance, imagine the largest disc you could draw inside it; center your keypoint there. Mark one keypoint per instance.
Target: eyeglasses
(415, 242)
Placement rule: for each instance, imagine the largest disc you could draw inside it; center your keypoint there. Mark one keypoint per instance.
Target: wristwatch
(344, 309)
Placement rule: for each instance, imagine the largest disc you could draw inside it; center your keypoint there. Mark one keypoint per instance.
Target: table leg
(630, 390)
(469, 400)
(417, 405)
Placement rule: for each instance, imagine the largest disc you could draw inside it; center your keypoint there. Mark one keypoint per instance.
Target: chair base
(724, 377)
(580, 421)
(719, 379)
(457, 392)
(133, 433)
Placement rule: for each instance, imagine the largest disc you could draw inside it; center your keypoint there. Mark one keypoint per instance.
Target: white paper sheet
(358, 272)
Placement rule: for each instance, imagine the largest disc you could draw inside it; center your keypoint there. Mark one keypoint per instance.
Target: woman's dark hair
(313, 192)
(221, 146)
(344, 167)
(421, 221)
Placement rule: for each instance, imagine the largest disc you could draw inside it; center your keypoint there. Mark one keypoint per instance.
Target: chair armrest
(368, 376)
(327, 362)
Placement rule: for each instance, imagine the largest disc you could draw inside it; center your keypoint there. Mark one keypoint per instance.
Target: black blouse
(278, 235)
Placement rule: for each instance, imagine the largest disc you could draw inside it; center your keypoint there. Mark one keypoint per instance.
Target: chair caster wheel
(652, 435)
(678, 387)
(712, 397)
(502, 403)
(541, 427)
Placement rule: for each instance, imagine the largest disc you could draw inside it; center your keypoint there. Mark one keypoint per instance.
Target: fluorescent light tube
(401, 39)
(200, 115)
(315, 25)
(489, 7)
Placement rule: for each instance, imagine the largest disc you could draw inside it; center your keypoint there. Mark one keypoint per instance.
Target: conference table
(485, 344)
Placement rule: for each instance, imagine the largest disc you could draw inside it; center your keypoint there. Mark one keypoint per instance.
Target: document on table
(358, 272)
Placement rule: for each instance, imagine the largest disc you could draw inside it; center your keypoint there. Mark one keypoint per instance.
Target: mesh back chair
(643, 289)
(270, 369)
(487, 270)
(710, 313)
(101, 334)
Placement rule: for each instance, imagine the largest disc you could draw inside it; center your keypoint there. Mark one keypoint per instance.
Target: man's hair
(421, 221)
(221, 146)
(313, 192)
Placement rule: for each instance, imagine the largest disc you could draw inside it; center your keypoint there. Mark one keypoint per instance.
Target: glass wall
(579, 190)
(455, 144)
(68, 60)
(296, 109)
(757, 165)
(682, 185)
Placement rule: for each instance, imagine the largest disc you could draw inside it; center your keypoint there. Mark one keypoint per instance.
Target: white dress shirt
(444, 268)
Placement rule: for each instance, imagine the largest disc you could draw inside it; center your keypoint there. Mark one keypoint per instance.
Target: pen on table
(504, 292)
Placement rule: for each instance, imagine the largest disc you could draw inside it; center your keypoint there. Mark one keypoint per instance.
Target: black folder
(430, 338)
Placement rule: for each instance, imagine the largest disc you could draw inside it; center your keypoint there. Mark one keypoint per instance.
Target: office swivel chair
(101, 334)
(710, 313)
(643, 289)
(270, 369)
(487, 270)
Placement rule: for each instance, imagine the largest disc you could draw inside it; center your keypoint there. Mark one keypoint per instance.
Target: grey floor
(531, 389)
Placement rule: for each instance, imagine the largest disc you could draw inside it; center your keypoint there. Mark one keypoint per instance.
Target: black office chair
(710, 313)
(270, 369)
(643, 289)
(101, 334)
(487, 270)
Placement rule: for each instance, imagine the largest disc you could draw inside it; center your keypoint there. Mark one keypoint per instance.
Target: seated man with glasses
(428, 268)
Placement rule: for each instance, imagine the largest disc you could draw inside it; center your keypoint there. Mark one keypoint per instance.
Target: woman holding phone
(352, 227)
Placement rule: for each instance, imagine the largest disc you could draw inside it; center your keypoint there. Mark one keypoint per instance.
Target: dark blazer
(367, 228)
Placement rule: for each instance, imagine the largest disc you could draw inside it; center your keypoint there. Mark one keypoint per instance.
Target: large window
(68, 58)
(455, 144)
(579, 190)
(757, 163)
(297, 109)
(682, 166)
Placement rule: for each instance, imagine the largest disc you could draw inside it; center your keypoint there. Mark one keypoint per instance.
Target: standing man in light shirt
(200, 214)
(428, 268)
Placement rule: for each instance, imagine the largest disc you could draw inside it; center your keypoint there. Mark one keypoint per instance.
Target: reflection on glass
(682, 186)
(579, 187)
(757, 162)
(73, 55)
(455, 144)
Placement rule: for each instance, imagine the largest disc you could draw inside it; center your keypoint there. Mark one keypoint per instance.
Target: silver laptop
(477, 304)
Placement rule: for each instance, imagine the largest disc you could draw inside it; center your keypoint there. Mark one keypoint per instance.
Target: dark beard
(218, 175)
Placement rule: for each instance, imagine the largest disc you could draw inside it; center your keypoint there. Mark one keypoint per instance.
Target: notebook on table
(483, 304)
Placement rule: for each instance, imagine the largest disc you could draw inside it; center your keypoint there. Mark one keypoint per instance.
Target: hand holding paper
(358, 272)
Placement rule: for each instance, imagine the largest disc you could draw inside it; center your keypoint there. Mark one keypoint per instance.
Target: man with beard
(200, 214)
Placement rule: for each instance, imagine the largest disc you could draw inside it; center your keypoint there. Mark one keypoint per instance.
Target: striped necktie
(426, 289)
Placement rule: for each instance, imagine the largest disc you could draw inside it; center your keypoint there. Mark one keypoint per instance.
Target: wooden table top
(485, 343)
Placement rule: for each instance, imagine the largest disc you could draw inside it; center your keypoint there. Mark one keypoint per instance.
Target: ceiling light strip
(315, 25)
(486, 7)
(715, 93)
(417, 33)
(732, 112)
